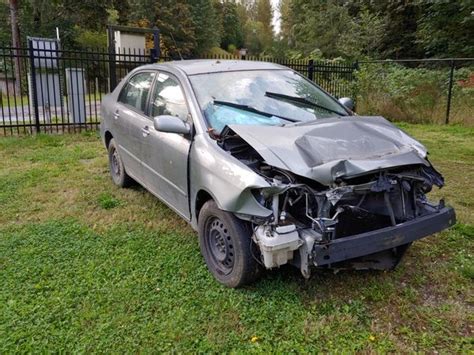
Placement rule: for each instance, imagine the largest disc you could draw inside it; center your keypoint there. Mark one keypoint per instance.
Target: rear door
(165, 161)
(130, 121)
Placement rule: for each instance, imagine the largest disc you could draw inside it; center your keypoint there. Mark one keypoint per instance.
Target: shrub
(416, 95)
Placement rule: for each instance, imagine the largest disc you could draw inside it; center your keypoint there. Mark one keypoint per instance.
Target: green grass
(86, 266)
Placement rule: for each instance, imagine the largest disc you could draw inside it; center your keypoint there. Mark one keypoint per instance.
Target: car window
(168, 98)
(135, 92)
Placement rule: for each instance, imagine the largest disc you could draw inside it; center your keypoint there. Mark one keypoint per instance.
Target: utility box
(76, 94)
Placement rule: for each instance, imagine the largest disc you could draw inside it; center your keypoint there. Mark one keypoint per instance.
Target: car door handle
(145, 131)
(116, 114)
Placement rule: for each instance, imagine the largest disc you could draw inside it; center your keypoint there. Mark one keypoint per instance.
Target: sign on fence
(45, 51)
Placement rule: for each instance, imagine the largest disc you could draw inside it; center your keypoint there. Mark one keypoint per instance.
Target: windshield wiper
(301, 100)
(251, 109)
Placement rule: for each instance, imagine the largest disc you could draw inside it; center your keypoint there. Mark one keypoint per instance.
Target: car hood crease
(327, 149)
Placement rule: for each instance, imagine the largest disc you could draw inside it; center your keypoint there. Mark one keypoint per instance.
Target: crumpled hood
(327, 149)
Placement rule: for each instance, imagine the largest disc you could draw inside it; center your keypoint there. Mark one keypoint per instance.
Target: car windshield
(261, 97)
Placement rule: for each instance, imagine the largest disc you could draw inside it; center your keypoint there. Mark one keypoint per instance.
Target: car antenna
(172, 37)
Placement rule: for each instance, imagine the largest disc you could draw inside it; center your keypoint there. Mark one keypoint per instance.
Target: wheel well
(201, 198)
(108, 137)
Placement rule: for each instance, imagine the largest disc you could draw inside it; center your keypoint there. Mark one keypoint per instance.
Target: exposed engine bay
(308, 216)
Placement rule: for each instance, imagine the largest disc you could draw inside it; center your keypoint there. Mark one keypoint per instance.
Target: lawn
(86, 266)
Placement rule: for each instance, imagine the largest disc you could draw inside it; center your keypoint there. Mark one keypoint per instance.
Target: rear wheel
(227, 246)
(117, 169)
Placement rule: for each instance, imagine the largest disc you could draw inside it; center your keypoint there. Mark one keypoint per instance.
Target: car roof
(202, 66)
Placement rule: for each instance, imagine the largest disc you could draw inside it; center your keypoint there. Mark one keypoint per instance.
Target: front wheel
(227, 246)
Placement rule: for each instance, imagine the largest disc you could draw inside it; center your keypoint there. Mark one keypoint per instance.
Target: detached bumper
(383, 239)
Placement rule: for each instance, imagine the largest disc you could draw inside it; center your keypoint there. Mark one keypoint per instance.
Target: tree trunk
(16, 44)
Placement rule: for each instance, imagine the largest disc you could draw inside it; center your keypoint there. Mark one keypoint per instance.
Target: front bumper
(383, 239)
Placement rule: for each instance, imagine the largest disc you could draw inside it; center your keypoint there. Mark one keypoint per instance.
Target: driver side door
(165, 155)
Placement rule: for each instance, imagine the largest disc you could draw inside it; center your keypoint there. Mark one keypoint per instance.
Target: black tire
(227, 247)
(116, 167)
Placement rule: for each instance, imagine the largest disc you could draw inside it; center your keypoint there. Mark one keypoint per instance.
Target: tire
(116, 167)
(227, 246)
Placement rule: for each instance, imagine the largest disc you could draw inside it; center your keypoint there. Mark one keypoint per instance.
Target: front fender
(225, 178)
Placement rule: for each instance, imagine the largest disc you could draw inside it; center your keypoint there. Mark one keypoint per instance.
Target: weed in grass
(107, 201)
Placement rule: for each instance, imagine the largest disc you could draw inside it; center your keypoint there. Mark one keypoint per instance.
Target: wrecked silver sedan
(269, 168)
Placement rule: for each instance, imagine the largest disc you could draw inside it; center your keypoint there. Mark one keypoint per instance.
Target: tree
(264, 15)
(399, 40)
(363, 37)
(446, 28)
(253, 37)
(174, 20)
(231, 26)
(318, 25)
(205, 23)
(16, 43)
(286, 23)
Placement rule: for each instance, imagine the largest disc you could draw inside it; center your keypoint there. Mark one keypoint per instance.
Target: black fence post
(450, 92)
(112, 58)
(33, 85)
(311, 69)
(355, 66)
(155, 51)
(355, 87)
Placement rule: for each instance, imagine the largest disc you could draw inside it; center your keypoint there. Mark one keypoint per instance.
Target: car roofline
(206, 66)
(237, 70)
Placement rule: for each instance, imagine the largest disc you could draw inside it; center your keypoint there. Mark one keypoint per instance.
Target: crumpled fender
(225, 178)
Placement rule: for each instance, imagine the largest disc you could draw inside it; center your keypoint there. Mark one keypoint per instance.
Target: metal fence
(57, 90)
(60, 90)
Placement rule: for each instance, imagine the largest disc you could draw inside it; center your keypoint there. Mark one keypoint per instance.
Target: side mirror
(171, 124)
(347, 102)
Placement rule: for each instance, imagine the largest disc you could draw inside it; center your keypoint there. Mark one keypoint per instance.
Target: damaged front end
(365, 221)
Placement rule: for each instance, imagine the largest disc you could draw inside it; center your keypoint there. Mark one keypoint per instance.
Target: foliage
(173, 18)
(335, 28)
(380, 29)
(5, 30)
(317, 25)
(264, 15)
(413, 94)
(205, 22)
(363, 37)
(445, 29)
(232, 31)
(399, 35)
(40, 18)
(90, 39)
(254, 42)
(217, 51)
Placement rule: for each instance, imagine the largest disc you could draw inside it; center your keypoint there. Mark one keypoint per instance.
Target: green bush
(416, 95)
